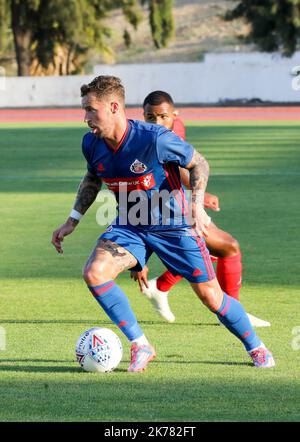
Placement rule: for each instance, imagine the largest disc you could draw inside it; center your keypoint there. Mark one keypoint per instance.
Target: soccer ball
(99, 350)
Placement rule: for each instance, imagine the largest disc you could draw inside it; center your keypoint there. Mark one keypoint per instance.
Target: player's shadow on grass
(200, 362)
(54, 321)
(97, 322)
(70, 369)
(63, 361)
(184, 362)
(40, 369)
(177, 323)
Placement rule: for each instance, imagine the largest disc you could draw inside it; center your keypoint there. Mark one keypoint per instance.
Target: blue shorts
(180, 251)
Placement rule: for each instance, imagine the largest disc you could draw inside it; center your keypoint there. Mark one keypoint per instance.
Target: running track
(186, 113)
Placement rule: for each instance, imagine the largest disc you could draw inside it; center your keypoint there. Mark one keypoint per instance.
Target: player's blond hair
(104, 86)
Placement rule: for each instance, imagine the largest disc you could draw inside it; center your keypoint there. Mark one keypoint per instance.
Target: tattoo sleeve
(123, 259)
(87, 192)
(199, 173)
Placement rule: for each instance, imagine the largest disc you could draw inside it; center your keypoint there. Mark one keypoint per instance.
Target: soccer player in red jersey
(159, 108)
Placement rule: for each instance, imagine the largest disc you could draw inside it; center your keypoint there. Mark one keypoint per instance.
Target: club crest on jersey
(138, 167)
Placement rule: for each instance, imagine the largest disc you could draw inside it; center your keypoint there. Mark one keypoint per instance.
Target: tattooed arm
(210, 201)
(86, 195)
(199, 172)
(87, 192)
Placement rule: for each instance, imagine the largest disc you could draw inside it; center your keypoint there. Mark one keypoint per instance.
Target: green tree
(44, 28)
(161, 21)
(24, 16)
(275, 24)
(4, 26)
(59, 33)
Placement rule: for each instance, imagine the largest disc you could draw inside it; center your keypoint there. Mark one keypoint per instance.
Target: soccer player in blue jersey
(140, 163)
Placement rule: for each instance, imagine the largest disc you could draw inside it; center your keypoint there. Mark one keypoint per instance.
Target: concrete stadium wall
(219, 77)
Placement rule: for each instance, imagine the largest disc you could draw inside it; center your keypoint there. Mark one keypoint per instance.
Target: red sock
(166, 281)
(229, 274)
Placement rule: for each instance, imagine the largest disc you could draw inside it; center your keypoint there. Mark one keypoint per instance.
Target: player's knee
(210, 298)
(233, 247)
(95, 273)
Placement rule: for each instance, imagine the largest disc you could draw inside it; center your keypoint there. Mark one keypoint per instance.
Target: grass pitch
(202, 372)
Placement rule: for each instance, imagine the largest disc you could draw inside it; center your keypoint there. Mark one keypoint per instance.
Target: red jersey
(179, 128)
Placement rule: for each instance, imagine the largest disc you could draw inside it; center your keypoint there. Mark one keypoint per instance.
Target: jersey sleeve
(87, 152)
(171, 148)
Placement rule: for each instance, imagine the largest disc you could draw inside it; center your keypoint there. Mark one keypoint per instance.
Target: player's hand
(141, 277)
(59, 234)
(211, 202)
(200, 219)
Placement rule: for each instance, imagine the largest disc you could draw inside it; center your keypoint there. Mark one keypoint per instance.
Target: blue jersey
(143, 173)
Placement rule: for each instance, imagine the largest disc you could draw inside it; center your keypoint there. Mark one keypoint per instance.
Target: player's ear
(114, 107)
(175, 112)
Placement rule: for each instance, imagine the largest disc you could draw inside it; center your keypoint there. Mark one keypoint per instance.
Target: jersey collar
(121, 142)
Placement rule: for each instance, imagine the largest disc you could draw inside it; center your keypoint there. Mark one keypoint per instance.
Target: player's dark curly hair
(103, 86)
(156, 98)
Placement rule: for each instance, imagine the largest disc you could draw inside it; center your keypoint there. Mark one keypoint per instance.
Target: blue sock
(233, 316)
(116, 305)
